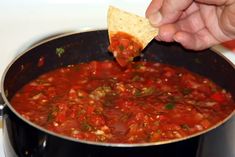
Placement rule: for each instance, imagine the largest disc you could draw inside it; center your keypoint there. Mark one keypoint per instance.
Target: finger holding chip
(129, 34)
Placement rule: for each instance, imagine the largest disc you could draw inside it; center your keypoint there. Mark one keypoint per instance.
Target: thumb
(168, 12)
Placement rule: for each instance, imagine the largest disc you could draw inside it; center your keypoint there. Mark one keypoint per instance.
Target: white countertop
(25, 22)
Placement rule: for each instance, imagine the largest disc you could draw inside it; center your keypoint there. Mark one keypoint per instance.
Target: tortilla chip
(134, 25)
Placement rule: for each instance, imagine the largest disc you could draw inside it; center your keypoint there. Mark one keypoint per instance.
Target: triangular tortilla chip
(136, 26)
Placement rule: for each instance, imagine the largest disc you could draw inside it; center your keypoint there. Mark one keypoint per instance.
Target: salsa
(144, 102)
(124, 48)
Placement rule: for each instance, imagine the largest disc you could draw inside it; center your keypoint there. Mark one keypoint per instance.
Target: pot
(23, 138)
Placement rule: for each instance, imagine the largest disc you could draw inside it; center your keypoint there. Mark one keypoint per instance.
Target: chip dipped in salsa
(124, 47)
(103, 102)
(128, 34)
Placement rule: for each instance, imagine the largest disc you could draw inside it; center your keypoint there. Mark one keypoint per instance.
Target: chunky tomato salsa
(124, 47)
(144, 102)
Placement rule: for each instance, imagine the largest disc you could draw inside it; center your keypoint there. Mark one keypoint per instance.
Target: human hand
(196, 24)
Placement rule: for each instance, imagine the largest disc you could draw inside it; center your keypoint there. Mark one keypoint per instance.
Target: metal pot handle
(2, 104)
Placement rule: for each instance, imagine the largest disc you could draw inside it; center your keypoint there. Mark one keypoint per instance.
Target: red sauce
(124, 47)
(145, 102)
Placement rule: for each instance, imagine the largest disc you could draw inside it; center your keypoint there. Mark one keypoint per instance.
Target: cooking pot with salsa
(37, 128)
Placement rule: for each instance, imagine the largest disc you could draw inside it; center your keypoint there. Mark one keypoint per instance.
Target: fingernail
(155, 18)
(175, 38)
